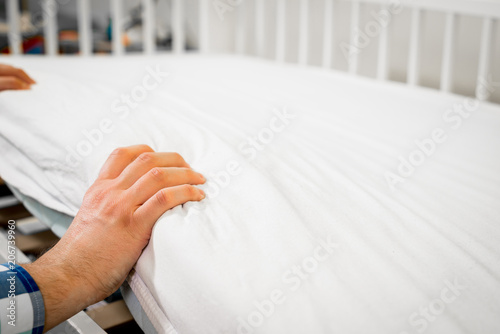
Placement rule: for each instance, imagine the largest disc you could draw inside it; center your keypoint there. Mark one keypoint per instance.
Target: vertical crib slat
(353, 54)
(203, 26)
(50, 28)
(84, 30)
(413, 59)
(259, 27)
(327, 34)
(15, 40)
(447, 63)
(484, 58)
(116, 17)
(148, 19)
(304, 32)
(382, 61)
(280, 30)
(178, 25)
(240, 29)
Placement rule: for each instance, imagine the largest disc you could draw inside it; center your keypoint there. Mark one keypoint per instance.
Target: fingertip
(202, 194)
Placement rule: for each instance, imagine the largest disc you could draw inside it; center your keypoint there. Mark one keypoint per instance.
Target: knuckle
(146, 158)
(163, 197)
(98, 192)
(97, 200)
(120, 151)
(190, 191)
(177, 157)
(107, 205)
(158, 173)
(145, 148)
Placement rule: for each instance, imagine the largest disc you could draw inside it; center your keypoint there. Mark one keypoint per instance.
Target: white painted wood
(4, 244)
(489, 10)
(328, 33)
(117, 27)
(413, 59)
(383, 55)
(203, 33)
(15, 39)
(259, 27)
(84, 27)
(50, 27)
(353, 49)
(447, 63)
(179, 36)
(81, 323)
(482, 8)
(303, 32)
(484, 58)
(280, 30)
(148, 19)
(240, 29)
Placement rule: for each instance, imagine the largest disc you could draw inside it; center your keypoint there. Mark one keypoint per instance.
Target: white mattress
(307, 235)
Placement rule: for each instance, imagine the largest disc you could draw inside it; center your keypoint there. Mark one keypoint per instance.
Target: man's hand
(134, 188)
(12, 78)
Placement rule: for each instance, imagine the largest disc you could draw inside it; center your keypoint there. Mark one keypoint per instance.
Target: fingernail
(202, 193)
(202, 177)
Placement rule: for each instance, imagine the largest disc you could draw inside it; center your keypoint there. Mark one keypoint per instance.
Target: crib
(326, 42)
(248, 14)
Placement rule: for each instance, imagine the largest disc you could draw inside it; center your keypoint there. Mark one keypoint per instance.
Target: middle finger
(159, 178)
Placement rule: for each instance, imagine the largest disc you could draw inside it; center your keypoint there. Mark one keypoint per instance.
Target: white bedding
(303, 233)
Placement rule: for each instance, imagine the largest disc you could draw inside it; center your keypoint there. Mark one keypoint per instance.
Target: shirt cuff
(21, 294)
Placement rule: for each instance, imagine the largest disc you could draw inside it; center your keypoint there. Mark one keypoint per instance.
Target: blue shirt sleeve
(21, 303)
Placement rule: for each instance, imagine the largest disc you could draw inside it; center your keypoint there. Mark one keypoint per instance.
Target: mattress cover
(335, 203)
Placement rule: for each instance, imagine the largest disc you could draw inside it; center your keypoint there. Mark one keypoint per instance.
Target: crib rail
(487, 10)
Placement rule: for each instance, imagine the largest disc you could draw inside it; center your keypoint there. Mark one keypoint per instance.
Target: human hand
(114, 224)
(12, 78)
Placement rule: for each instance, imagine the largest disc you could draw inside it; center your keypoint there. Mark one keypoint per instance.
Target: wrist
(64, 293)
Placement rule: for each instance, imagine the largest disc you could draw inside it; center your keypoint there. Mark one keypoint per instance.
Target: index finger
(120, 158)
(7, 70)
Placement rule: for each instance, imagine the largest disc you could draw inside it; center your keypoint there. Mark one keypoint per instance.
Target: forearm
(63, 293)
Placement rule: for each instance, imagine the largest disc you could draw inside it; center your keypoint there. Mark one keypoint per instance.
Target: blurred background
(223, 15)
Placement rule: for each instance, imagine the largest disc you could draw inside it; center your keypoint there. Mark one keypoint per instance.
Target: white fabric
(306, 236)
